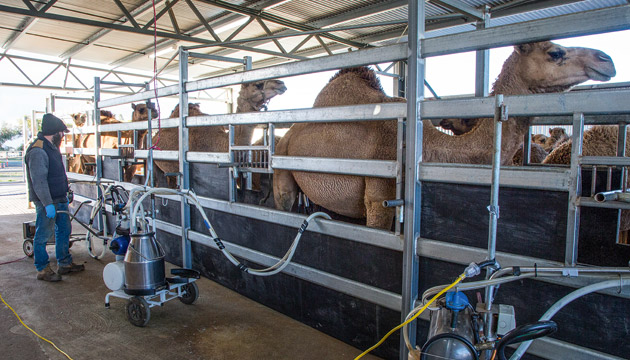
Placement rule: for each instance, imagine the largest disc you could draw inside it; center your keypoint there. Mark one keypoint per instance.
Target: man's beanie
(52, 125)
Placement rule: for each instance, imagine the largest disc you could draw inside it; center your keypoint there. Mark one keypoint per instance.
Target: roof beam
(127, 14)
(364, 11)
(460, 7)
(26, 24)
(99, 34)
(160, 14)
(278, 20)
(203, 20)
(217, 21)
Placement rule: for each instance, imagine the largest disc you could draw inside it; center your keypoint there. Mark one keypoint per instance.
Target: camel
(536, 155)
(109, 140)
(252, 97)
(539, 139)
(532, 68)
(557, 136)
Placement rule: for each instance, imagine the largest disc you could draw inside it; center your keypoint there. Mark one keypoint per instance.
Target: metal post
(232, 172)
(621, 151)
(97, 147)
(247, 177)
(413, 189)
(183, 150)
(575, 190)
(500, 115)
(482, 61)
(148, 174)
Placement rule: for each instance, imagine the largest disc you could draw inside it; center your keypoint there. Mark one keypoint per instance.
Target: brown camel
(109, 140)
(536, 155)
(252, 97)
(557, 136)
(539, 139)
(532, 68)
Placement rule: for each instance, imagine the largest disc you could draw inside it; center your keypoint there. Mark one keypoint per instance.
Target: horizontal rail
(588, 120)
(463, 255)
(372, 168)
(614, 204)
(592, 103)
(537, 177)
(605, 160)
(157, 154)
(201, 157)
(556, 27)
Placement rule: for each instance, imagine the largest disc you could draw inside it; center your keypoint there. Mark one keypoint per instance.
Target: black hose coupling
(303, 227)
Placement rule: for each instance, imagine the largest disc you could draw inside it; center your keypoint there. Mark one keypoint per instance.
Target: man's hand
(51, 211)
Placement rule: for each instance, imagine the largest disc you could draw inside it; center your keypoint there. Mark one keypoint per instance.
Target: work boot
(48, 274)
(63, 270)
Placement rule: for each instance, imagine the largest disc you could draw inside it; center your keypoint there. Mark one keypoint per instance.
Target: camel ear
(133, 106)
(523, 48)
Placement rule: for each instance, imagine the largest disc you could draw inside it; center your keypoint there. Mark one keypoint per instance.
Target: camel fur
(557, 136)
(532, 68)
(252, 97)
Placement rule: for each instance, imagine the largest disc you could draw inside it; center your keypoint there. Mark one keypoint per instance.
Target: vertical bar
(148, 173)
(97, 146)
(121, 176)
(400, 210)
(500, 114)
(527, 146)
(247, 177)
(482, 67)
(621, 151)
(575, 190)
(232, 171)
(413, 188)
(183, 150)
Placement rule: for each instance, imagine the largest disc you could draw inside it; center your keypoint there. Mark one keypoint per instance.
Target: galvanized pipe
(500, 115)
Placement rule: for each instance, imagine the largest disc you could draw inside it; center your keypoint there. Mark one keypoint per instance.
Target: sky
(448, 75)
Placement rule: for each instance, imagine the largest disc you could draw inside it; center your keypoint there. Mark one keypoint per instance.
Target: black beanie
(52, 125)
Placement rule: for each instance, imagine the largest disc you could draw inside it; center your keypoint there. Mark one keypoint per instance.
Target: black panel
(531, 221)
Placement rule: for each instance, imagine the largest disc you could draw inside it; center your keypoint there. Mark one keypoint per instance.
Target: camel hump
(362, 72)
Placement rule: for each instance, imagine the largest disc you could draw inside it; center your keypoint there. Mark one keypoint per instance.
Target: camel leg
(376, 191)
(285, 189)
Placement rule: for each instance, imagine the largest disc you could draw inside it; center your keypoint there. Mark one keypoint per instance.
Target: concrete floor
(220, 325)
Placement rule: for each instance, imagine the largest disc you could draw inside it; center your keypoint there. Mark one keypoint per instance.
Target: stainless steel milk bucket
(144, 265)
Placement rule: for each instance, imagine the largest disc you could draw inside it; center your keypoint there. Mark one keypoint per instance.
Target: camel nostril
(604, 57)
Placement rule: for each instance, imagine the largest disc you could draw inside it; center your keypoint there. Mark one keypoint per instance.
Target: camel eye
(260, 86)
(556, 55)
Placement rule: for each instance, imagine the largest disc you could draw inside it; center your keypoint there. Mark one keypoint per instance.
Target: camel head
(547, 67)
(458, 126)
(557, 133)
(140, 112)
(79, 119)
(539, 139)
(254, 96)
(106, 115)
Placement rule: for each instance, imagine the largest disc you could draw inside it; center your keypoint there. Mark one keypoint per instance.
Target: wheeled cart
(181, 286)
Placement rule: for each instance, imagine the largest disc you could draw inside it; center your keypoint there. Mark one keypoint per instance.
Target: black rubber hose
(463, 340)
(524, 333)
(486, 263)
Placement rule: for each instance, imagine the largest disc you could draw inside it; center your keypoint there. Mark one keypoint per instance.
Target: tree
(8, 133)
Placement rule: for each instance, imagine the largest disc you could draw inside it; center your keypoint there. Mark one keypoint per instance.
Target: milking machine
(138, 274)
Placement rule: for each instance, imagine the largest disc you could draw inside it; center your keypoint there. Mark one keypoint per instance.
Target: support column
(413, 189)
(183, 150)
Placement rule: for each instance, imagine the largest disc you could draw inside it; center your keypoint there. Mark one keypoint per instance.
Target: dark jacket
(47, 180)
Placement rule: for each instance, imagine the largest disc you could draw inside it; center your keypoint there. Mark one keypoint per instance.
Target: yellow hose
(460, 278)
(31, 330)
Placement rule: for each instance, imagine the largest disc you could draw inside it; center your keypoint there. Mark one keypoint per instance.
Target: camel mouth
(600, 75)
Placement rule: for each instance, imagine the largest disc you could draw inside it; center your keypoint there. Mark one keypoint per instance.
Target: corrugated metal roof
(129, 49)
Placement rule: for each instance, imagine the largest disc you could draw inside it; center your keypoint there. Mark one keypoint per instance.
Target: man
(48, 189)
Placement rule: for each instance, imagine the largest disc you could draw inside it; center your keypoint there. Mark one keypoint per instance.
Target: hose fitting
(472, 270)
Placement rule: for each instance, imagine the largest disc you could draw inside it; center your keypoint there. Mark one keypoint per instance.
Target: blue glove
(51, 211)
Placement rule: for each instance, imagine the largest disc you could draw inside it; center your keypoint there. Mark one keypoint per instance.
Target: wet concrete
(220, 325)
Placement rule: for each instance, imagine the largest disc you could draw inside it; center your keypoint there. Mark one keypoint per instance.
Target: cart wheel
(190, 293)
(96, 247)
(27, 246)
(138, 312)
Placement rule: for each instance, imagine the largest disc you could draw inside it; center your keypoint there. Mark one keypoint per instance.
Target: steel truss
(576, 105)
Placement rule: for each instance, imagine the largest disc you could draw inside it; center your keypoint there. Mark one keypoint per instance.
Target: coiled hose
(192, 197)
